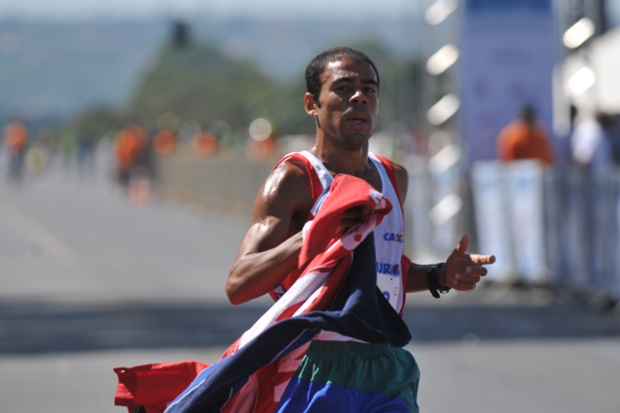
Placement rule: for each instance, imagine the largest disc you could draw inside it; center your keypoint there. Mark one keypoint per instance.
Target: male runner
(341, 373)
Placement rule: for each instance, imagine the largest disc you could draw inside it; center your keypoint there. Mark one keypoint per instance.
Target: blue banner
(507, 56)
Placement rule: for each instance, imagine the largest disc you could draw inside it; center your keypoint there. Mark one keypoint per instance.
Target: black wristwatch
(432, 277)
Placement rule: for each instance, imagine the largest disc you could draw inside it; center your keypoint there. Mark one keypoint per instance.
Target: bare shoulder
(402, 180)
(400, 171)
(286, 190)
(282, 200)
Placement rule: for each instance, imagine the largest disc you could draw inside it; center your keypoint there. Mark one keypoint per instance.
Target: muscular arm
(270, 248)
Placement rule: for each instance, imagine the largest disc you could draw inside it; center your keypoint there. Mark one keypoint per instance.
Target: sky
(62, 9)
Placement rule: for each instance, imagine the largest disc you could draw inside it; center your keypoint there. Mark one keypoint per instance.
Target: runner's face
(348, 100)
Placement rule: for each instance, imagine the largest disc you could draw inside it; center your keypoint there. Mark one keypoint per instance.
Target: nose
(359, 97)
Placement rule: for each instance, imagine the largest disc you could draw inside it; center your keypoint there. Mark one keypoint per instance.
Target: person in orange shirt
(130, 144)
(16, 141)
(165, 142)
(206, 144)
(524, 139)
(16, 137)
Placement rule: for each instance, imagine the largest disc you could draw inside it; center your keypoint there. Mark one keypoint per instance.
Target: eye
(370, 90)
(343, 89)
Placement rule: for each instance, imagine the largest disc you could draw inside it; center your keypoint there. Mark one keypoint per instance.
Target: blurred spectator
(206, 144)
(524, 139)
(593, 142)
(130, 147)
(263, 149)
(37, 158)
(86, 147)
(165, 143)
(262, 140)
(564, 145)
(146, 165)
(16, 141)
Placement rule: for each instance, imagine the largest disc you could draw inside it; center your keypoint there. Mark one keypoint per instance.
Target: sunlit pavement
(91, 282)
(65, 238)
(482, 377)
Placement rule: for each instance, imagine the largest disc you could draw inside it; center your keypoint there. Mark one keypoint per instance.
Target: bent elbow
(232, 292)
(234, 298)
(233, 289)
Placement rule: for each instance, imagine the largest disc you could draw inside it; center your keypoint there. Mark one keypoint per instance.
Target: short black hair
(315, 68)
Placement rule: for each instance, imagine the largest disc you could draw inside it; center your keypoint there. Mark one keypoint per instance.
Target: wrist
(436, 280)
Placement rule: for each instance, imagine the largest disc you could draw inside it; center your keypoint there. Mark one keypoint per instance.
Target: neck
(338, 159)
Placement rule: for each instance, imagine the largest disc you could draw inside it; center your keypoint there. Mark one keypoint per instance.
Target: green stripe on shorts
(370, 368)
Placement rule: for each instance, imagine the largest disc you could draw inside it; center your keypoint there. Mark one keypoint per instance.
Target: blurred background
(136, 135)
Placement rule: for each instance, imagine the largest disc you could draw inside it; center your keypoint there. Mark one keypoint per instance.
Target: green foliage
(200, 83)
(95, 123)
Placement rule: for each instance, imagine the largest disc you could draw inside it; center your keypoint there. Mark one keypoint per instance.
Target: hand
(354, 217)
(462, 270)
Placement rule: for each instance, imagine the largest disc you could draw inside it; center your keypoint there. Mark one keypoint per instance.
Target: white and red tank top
(389, 235)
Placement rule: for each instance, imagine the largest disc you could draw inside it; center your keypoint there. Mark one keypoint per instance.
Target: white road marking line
(37, 234)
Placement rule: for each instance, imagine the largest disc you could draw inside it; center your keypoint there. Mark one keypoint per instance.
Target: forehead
(346, 67)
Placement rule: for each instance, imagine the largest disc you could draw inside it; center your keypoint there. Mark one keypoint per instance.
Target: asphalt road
(90, 282)
(70, 239)
(481, 377)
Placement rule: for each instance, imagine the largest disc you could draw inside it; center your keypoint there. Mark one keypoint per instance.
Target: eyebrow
(349, 79)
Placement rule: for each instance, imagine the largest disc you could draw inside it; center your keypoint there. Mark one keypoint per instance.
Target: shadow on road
(28, 327)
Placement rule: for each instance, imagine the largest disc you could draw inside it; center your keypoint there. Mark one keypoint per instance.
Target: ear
(311, 105)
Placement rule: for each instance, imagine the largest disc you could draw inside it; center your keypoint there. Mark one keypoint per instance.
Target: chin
(356, 141)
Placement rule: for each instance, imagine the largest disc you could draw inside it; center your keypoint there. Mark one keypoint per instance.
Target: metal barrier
(582, 226)
(558, 227)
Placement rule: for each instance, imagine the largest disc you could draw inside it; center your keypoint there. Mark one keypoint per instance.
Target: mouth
(357, 126)
(359, 120)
